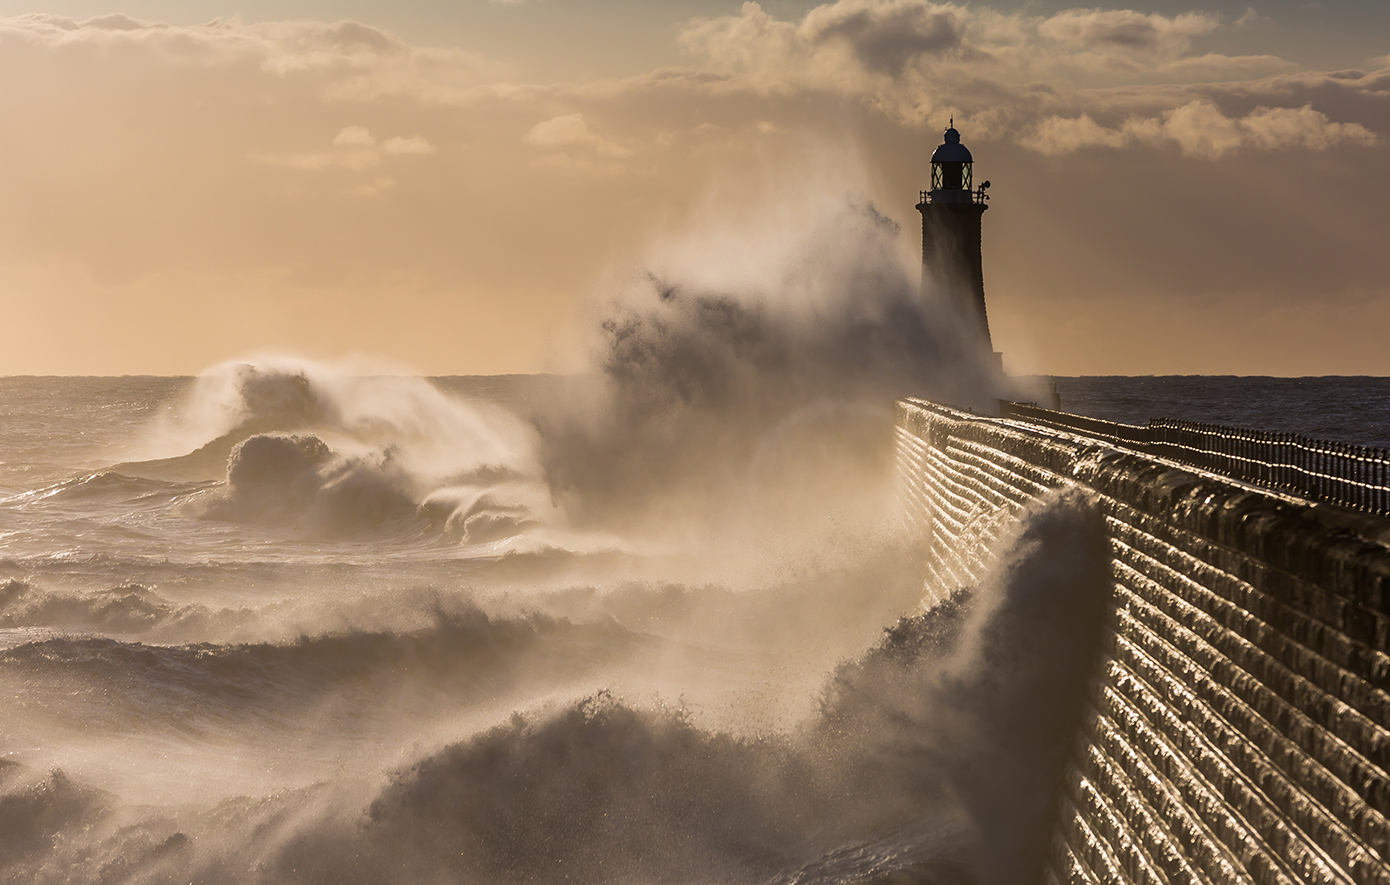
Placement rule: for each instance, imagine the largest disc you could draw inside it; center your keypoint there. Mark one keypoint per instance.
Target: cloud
(1200, 129)
(885, 37)
(346, 60)
(276, 123)
(1270, 128)
(116, 22)
(354, 136)
(1251, 17)
(414, 145)
(1126, 29)
(357, 152)
(570, 131)
(1074, 79)
(867, 45)
(1061, 135)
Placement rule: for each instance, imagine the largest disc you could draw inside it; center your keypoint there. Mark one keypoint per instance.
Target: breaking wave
(391, 633)
(127, 608)
(757, 367)
(312, 447)
(927, 761)
(464, 655)
(298, 480)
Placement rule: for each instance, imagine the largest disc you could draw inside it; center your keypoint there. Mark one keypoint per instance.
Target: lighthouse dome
(951, 150)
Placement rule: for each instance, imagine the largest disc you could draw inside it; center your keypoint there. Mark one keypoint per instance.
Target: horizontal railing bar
(1341, 473)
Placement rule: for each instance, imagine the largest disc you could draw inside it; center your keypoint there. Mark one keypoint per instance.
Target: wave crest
(282, 479)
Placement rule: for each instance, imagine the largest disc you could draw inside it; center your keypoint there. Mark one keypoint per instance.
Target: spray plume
(518, 724)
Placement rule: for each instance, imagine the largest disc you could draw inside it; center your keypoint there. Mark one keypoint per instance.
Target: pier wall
(1238, 724)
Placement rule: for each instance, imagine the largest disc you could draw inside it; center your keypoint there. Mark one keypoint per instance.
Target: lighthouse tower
(951, 215)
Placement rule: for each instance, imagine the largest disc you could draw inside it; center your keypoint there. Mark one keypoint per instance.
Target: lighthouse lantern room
(951, 170)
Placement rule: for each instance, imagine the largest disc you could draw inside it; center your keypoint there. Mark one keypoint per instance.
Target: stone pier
(1238, 728)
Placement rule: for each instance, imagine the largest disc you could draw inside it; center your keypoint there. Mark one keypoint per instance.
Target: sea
(1350, 409)
(290, 622)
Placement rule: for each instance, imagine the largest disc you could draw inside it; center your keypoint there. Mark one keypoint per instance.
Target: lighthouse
(951, 214)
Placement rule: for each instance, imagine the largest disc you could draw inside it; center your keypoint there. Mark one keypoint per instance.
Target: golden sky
(452, 185)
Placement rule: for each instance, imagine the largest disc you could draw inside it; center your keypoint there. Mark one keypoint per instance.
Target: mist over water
(757, 363)
(291, 622)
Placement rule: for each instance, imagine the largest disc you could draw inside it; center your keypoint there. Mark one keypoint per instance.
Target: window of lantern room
(951, 176)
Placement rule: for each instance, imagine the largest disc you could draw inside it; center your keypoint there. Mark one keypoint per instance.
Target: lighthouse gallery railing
(1338, 473)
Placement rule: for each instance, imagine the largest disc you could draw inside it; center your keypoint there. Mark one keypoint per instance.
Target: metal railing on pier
(1338, 473)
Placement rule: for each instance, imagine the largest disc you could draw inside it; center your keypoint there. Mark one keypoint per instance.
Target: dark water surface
(1353, 409)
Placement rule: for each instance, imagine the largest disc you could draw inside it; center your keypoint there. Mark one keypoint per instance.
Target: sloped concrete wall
(1239, 720)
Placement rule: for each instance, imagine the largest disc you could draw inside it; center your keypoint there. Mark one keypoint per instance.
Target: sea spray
(931, 757)
(731, 382)
(660, 563)
(304, 445)
(370, 402)
(297, 479)
(1010, 700)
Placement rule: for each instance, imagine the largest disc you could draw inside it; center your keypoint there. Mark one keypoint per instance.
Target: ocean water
(253, 625)
(292, 622)
(1353, 409)
(286, 623)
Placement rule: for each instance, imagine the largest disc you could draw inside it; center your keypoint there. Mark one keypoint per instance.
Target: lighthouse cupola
(951, 165)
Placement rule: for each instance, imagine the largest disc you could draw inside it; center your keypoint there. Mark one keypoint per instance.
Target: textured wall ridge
(1238, 727)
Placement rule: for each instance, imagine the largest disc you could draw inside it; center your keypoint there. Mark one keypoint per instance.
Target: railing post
(1308, 477)
(1306, 484)
(1300, 475)
(1252, 462)
(1296, 455)
(1382, 482)
(1266, 458)
(1331, 471)
(1322, 470)
(1339, 473)
(1228, 443)
(1334, 485)
(1310, 485)
(1383, 485)
(1285, 459)
(1291, 456)
(1290, 459)
(1317, 470)
(1347, 472)
(1363, 490)
(1351, 475)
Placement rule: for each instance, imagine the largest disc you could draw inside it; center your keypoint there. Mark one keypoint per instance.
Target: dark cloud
(1126, 29)
(888, 37)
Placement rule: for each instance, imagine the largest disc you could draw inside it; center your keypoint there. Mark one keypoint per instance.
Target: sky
(452, 185)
